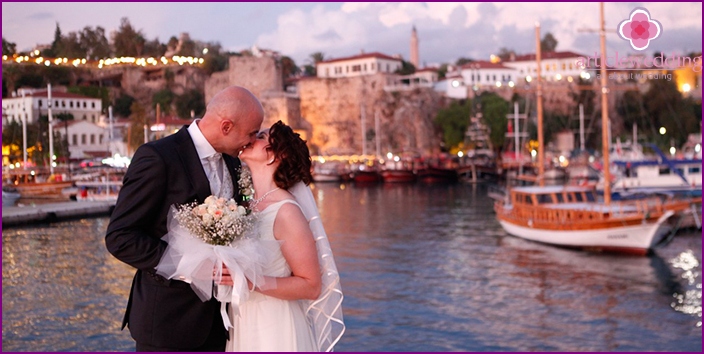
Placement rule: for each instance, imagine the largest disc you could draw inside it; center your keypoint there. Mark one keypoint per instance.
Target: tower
(414, 48)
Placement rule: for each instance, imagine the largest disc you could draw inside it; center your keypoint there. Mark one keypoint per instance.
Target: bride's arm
(298, 248)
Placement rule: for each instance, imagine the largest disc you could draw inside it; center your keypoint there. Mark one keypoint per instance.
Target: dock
(51, 212)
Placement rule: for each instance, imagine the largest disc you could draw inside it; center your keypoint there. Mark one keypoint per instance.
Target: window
(93, 104)
(560, 198)
(63, 104)
(84, 117)
(356, 68)
(590, 197)
(74, 138)
(83, 139)
(70, 104)
(694, 170)
(92, 139)
(85, 104)
(100, 139)
(529, 199)
(664, 171)
(544, 199)
(40, 103)
(488, 78)
(579, 197)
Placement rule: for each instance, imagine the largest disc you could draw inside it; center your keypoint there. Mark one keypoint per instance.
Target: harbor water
(423, 267)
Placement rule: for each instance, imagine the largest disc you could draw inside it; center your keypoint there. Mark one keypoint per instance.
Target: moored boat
(571, 216)
(437, 175)
(398, 176)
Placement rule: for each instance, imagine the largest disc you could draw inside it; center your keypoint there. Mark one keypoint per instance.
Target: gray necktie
(214, 174)
(219, 177)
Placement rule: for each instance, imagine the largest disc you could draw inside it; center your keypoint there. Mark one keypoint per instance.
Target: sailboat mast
(541, 143)
(604, 109)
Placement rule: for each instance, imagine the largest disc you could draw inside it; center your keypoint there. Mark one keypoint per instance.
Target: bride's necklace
(261, 199)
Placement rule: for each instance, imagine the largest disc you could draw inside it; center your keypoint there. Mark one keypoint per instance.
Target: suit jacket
(162, 312)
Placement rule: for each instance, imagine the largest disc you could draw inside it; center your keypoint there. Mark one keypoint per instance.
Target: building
(478, 74)
(415, 60)
(86, 140)
(30, 104)
(358, 65)
(556, 66)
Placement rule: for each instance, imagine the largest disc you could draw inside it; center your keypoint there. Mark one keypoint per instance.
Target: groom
(162, 314)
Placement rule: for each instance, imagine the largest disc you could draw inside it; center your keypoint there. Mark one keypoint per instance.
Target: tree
(406, 68)
(506, 54)
(548, 43)
(127, 40)
(191, 100)
(215, 60)
(138, 119)
(8, 48)
(288, 67)
(494, 111)
(666, 107)
(71, 47)
(462, 61)
(94, 43)
(55, 45)
(122, 106)
(453, 122)
(164, 98)
(311, 68)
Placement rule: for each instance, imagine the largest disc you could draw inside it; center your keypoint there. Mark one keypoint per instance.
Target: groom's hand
(226, 279)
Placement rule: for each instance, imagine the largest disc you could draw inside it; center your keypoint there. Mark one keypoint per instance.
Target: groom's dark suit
(161, 312)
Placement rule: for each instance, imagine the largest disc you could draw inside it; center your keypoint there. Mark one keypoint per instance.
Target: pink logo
(639, 29)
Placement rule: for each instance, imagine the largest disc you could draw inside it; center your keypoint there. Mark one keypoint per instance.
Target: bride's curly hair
(292, 153)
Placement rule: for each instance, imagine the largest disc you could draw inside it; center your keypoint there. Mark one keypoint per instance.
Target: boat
(574, 216)
(366, 176)
(432, 174)
(9, 196)
(327, 172)
(660, 175)
(398, 176)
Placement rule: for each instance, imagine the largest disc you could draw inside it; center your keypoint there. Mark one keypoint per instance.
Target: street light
(663, 130)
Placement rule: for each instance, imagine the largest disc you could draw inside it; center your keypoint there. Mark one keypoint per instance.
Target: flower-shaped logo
(639, 29)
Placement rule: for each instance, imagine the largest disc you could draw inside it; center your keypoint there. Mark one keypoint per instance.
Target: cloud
(40, 16)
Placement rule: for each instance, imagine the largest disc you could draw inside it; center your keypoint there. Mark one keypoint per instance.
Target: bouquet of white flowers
(217, 221)
(204, 238)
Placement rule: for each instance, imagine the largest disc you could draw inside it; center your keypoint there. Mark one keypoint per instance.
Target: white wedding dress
(269, 324)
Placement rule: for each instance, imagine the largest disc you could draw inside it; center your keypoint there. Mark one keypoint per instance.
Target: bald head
(232, 120)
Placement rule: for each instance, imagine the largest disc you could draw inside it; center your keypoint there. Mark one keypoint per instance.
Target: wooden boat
(571, 216)
(398, 176)
(437, 175)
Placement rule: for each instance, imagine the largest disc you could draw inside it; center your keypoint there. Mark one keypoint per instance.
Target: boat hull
(636, 239)
(398, 176)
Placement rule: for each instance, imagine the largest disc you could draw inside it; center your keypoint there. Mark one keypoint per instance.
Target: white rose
(208, 220)
(241, 210)
(212, 209)
(210, 200)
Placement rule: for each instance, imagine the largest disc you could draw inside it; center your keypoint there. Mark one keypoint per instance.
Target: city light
(686, 88)
(697, 148)
(672, 151)
(455, 83)
(389, 155)
(529, 78)
(460, 154)
(663, 130)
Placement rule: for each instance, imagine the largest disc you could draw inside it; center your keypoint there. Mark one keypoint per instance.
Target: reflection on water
(690, 300)
(424, 268)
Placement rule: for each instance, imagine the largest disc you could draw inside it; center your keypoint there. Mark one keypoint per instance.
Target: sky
(446, 31)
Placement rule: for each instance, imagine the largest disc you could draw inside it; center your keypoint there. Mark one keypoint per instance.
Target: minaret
(414, 48)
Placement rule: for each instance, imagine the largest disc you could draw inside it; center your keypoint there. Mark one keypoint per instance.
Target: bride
(302, 311)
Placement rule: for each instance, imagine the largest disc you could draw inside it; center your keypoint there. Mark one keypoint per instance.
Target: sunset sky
(447, 31)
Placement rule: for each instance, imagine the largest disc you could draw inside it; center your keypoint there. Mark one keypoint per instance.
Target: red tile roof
(361, 56)
(481, 64)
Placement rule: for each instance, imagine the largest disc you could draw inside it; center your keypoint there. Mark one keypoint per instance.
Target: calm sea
(424, 268)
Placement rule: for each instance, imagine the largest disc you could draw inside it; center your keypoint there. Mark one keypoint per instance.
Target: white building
(86, 140)
(556, 66)
(363, 64)
(479, 74)
(452, 86)
(29, 104)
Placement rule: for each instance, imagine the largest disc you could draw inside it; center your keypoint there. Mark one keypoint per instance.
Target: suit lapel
(233, 166)
(189, 158)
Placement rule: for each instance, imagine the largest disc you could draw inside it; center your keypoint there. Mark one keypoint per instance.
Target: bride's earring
(271, 161)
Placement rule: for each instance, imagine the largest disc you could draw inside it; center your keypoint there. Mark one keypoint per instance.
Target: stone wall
(334, 109)
(257, 74)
